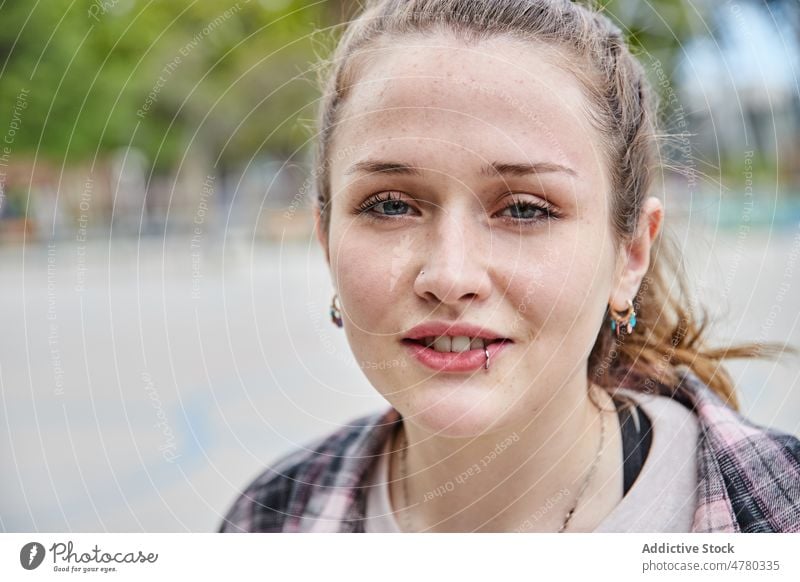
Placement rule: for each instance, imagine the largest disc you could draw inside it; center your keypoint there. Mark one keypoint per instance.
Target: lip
(438, 328)
(469, 361)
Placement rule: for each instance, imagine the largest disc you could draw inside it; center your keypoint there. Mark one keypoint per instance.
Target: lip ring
(468, 361)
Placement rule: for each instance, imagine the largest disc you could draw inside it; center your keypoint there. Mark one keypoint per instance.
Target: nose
(456, 271)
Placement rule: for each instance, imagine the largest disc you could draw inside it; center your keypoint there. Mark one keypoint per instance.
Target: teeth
(442, 344)
(454, 343)
(459, 344)
(477, 344)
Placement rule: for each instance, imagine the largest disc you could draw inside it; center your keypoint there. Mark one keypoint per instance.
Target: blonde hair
(623, 109)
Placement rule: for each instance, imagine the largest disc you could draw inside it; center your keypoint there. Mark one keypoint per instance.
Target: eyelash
(549, 211)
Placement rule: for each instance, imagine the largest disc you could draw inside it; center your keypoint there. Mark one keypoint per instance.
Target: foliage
(226, 79)
(103, 74)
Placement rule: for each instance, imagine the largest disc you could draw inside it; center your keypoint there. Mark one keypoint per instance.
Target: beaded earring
(336, 311)
(623, 320)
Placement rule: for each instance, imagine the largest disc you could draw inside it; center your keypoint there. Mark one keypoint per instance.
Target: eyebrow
(489, 170)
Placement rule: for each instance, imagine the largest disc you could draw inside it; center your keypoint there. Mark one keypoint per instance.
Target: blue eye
(389, 201)
(528, 211)
(392, 207)
(389, 205)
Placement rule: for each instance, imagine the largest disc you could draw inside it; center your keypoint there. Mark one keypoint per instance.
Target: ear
(320, 233)
(634, 260)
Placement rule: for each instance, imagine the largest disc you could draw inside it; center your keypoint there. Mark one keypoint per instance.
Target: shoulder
(726, 427)
(662, 410)
(278, 499)
(751, 471)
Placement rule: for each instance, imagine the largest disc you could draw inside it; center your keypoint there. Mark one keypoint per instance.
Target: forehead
(500, 98)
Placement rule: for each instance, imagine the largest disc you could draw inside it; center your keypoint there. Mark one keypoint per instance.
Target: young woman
(483, 200)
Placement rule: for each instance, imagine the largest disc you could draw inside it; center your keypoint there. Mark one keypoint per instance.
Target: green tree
(103, 75)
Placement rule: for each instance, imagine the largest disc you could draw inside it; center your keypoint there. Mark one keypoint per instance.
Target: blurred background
(164, 304)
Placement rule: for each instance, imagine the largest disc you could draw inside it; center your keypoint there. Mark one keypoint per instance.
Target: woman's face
(479, 166)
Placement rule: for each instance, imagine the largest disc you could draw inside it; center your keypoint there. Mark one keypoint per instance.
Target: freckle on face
(420, 106)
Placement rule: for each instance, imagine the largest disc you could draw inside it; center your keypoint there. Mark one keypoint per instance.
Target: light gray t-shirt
(662, 498)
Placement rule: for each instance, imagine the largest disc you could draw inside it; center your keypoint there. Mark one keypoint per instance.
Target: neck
(518, 478)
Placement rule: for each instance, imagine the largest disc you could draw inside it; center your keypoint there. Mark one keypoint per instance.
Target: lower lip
(469, 361)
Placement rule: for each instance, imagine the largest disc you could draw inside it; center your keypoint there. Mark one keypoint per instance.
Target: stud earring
(336, 311)
(623, 320)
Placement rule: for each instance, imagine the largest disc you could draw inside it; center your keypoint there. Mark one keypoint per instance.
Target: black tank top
(637, 435)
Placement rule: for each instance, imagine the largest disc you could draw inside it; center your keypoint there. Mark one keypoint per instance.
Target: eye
(389, 205)
(528, 211)
(384, 205)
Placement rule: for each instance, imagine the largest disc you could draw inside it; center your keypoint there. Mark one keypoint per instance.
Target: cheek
(565, 284)
(361, 271)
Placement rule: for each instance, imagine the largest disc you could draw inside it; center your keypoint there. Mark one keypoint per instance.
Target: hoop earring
(625, 320)
(336, 311)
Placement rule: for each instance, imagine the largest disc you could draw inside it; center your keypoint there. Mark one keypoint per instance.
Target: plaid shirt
(748, 475)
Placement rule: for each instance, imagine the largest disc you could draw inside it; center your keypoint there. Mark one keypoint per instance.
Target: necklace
(589, 474)
(584, 486)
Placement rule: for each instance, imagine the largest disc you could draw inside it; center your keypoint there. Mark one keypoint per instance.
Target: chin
(456, 411)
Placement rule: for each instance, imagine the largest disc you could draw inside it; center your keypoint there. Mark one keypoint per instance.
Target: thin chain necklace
(584, 486)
